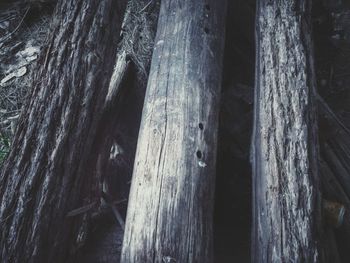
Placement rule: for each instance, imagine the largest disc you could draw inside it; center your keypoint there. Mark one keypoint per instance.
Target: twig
(331, 113)
(86, 208)
(114, 208)
(145, 7)
(81, 210)
(18, 26)
(9, 17)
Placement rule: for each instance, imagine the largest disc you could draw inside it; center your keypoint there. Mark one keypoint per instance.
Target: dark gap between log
(232, 218)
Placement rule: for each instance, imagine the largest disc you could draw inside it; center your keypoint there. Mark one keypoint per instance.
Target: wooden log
(170, 211)
(49, 172)
(286, 199)
(124, 101)
(119, 127)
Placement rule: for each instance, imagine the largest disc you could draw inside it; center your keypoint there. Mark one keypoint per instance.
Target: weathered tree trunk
(49, 170)
(121, 123)
(171, 200)
(286, 199)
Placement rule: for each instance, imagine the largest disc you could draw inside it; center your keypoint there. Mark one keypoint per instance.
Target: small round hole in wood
(199, 154)
(201, 126)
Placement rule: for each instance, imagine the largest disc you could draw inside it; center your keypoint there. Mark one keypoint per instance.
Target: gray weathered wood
(119, 126)
(286, 199)
(172, 194)
(49, 171)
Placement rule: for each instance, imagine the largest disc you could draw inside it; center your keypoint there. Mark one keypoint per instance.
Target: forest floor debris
(23, 31)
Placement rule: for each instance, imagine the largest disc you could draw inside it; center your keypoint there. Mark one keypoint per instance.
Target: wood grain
(171, 201)
(49, 171)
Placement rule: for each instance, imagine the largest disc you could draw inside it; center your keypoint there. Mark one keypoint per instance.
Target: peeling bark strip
(284, 157)
(171, 200)
(47, 173)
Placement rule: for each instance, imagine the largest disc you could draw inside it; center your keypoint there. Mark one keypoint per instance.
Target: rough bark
(171, 200)
(286, 203)
(49, 170)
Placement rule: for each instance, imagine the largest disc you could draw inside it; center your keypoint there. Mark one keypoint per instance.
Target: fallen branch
(115, 210)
